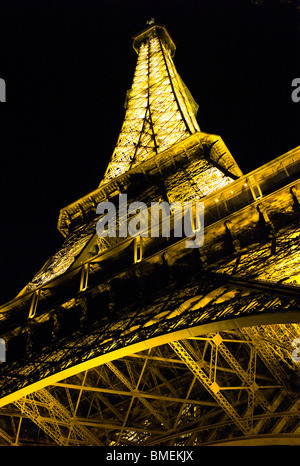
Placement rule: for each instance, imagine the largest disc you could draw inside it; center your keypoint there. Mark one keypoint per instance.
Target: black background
(67, 66)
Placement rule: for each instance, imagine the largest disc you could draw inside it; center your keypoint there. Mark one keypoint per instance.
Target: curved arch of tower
(140, 340)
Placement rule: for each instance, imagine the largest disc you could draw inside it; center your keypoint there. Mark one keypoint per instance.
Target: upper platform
(152, 31)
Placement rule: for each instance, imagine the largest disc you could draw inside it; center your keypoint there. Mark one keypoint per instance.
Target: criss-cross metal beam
(53, 418)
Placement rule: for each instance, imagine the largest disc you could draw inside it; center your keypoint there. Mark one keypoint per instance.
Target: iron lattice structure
(141, 341)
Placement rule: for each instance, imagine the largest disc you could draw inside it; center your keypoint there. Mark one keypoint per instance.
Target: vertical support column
(254, 188)
(84, 277)
(138, 249)
(34, 303)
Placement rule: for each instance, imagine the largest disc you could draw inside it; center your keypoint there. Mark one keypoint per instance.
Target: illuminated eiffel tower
(119, 341)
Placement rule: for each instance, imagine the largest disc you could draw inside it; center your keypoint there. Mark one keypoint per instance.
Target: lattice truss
(207, 389)
(188, 392)
(159, 112)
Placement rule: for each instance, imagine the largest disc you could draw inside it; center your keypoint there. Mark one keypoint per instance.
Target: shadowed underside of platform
(209, 357)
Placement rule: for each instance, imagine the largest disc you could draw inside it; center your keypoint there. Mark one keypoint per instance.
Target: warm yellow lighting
(188, 338)
(159, 109)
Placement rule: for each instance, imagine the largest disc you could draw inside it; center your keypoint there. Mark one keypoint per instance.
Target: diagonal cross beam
(212, 388)
(135, 392)
(34, 407)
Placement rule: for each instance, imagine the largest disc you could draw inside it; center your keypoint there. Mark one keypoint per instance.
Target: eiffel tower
(142, 341)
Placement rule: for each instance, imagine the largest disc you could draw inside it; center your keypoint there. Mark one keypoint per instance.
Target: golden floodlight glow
(159, 109)
(142, 341)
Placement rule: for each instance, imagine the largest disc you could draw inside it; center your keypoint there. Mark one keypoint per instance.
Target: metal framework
(200, 391)
(128, 342)
(159, 109)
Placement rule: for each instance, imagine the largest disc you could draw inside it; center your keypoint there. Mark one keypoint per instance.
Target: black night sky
(67, 66)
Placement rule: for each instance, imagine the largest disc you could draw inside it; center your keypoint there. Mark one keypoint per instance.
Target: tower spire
(160, 110)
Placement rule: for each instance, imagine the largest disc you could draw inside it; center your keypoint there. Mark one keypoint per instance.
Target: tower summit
(160, 110)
